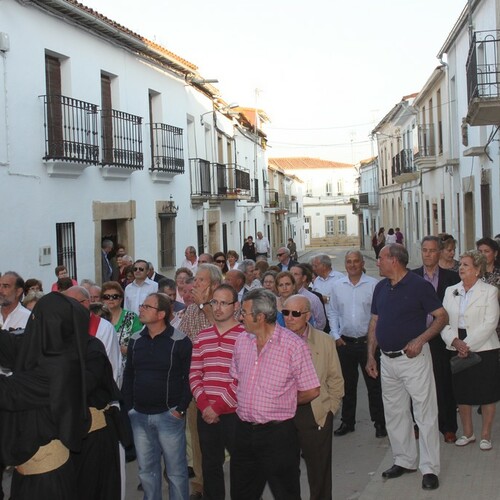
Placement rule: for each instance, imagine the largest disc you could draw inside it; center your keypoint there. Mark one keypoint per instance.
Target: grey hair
(436, 239)
(478, 260)
(355, 252)
(215, 273)
(399, 252)
(263, 302)
(324, 259)
(242, 266)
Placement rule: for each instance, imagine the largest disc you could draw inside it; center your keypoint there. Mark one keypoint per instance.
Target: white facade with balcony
(106, 134)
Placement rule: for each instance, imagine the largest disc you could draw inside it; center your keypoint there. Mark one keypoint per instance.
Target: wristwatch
(201, 306)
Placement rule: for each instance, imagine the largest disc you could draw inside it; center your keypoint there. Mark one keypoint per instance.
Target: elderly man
(303, 276)
(440, 279)
(140, 288)
(197, 317)
(205, 258)
(13, 315)
(153, 275)
(285, 263)
(325, 281)
(236, 279)
(400, 305)
(351, 305)
(156, 393)
(262, 246)
(274, 371)
(247, 267)
(314, 421)
(191, 261)
(106, 267)
(95, 294)
(214, 389)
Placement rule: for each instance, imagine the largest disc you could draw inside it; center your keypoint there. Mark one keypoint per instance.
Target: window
(330, 226)
(342, 224)
(167, 240)
(443, 216)
(66, 247)
(329, 190)
(340, 187)
(428, 216)
(309, 188)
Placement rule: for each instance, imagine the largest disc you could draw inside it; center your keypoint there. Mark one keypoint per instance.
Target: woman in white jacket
(473, 310)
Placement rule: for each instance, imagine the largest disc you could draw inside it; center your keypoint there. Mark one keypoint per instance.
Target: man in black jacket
(441, 279)
(156, 393)
(285, 262)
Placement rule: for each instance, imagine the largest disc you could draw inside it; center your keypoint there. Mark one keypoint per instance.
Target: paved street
(359, 458)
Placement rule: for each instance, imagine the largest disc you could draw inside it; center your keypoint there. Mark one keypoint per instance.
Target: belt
(257, 425)
(261, 253)
(48, 458)
(393, 354)
(354, 340)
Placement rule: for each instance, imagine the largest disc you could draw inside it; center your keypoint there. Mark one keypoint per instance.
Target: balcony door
(54, 110)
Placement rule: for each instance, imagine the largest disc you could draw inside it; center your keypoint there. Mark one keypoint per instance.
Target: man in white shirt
(325, 280)
(13, 314)
(351, 305)
(137, 291)
(262, 247)
(191, 261)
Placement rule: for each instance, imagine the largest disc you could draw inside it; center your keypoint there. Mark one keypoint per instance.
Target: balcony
(425, 151)
(483, 79)
(71, 137)
(218, 181)
(121, 143)
(271, 198)
(368, 200)
(403, 167)
(167, 152)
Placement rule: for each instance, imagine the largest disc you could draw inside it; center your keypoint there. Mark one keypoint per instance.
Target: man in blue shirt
(400, 306)
(156, 394)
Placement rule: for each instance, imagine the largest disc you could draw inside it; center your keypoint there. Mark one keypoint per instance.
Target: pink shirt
(268, 382)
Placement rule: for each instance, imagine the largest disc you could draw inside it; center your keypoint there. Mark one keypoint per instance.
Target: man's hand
(413, 348)
(209, 415)
(371, 367)
(462, 348)
(201, 296)
(339, 342)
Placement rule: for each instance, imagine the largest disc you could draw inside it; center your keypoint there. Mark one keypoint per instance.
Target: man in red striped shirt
(274, 371)
(214, 389)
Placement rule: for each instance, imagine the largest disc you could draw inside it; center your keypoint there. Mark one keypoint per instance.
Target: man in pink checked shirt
(275, 373)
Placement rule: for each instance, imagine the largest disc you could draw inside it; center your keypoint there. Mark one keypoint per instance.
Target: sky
(325, 71)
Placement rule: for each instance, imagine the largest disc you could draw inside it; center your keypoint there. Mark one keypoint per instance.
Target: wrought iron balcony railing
(70, 130)
(426, 141)
(200, 177)
(272, 198)
(121, 139)
(167, 148)
(403, 163)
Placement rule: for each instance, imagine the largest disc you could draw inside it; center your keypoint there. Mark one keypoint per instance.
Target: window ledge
(116, 173)
(158, 176)
(61, 168)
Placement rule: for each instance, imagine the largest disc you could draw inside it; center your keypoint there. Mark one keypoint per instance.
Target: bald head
(297, 312)
(236, 279)
(80, 294)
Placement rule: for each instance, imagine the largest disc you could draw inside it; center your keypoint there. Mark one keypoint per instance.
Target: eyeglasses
(115, 296)
(147, 307)
(295, 314)
(222, 303)
(139, 269)
(220, 261)
(244, 313)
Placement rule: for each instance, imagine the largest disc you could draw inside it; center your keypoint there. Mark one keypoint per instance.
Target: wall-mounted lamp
(169, 208)
(200, 81)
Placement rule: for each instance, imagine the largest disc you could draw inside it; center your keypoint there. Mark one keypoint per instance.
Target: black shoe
(380, 431)
(139, 487)
(191, 473)
(430, 482)
(396, 471)
(343, 429)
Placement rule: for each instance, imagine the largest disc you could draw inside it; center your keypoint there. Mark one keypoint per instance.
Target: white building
(368, 200)
(330, 188)
(105, 134)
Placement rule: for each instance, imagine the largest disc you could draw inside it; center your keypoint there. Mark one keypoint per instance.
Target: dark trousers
(265, 453)
(353, 357)
(214, 439)
(316, 445)
(447, 408)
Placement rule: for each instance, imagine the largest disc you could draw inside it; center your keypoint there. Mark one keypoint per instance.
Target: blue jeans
(154, 436)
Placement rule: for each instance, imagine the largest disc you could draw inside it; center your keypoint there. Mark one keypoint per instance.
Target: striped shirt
(268, 382)
(209, 377)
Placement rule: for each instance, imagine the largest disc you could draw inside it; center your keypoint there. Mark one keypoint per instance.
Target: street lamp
(222, 110)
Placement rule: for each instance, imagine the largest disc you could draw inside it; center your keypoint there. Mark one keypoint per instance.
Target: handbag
(458, 364)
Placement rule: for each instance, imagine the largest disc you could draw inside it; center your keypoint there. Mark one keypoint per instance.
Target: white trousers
(404, 379)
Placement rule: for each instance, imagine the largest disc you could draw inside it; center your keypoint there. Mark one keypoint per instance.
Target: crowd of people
(236, 358)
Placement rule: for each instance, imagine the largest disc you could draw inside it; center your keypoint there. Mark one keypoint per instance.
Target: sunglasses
(220, 261)
(115, 296)
(295, 314)
(139, 269)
